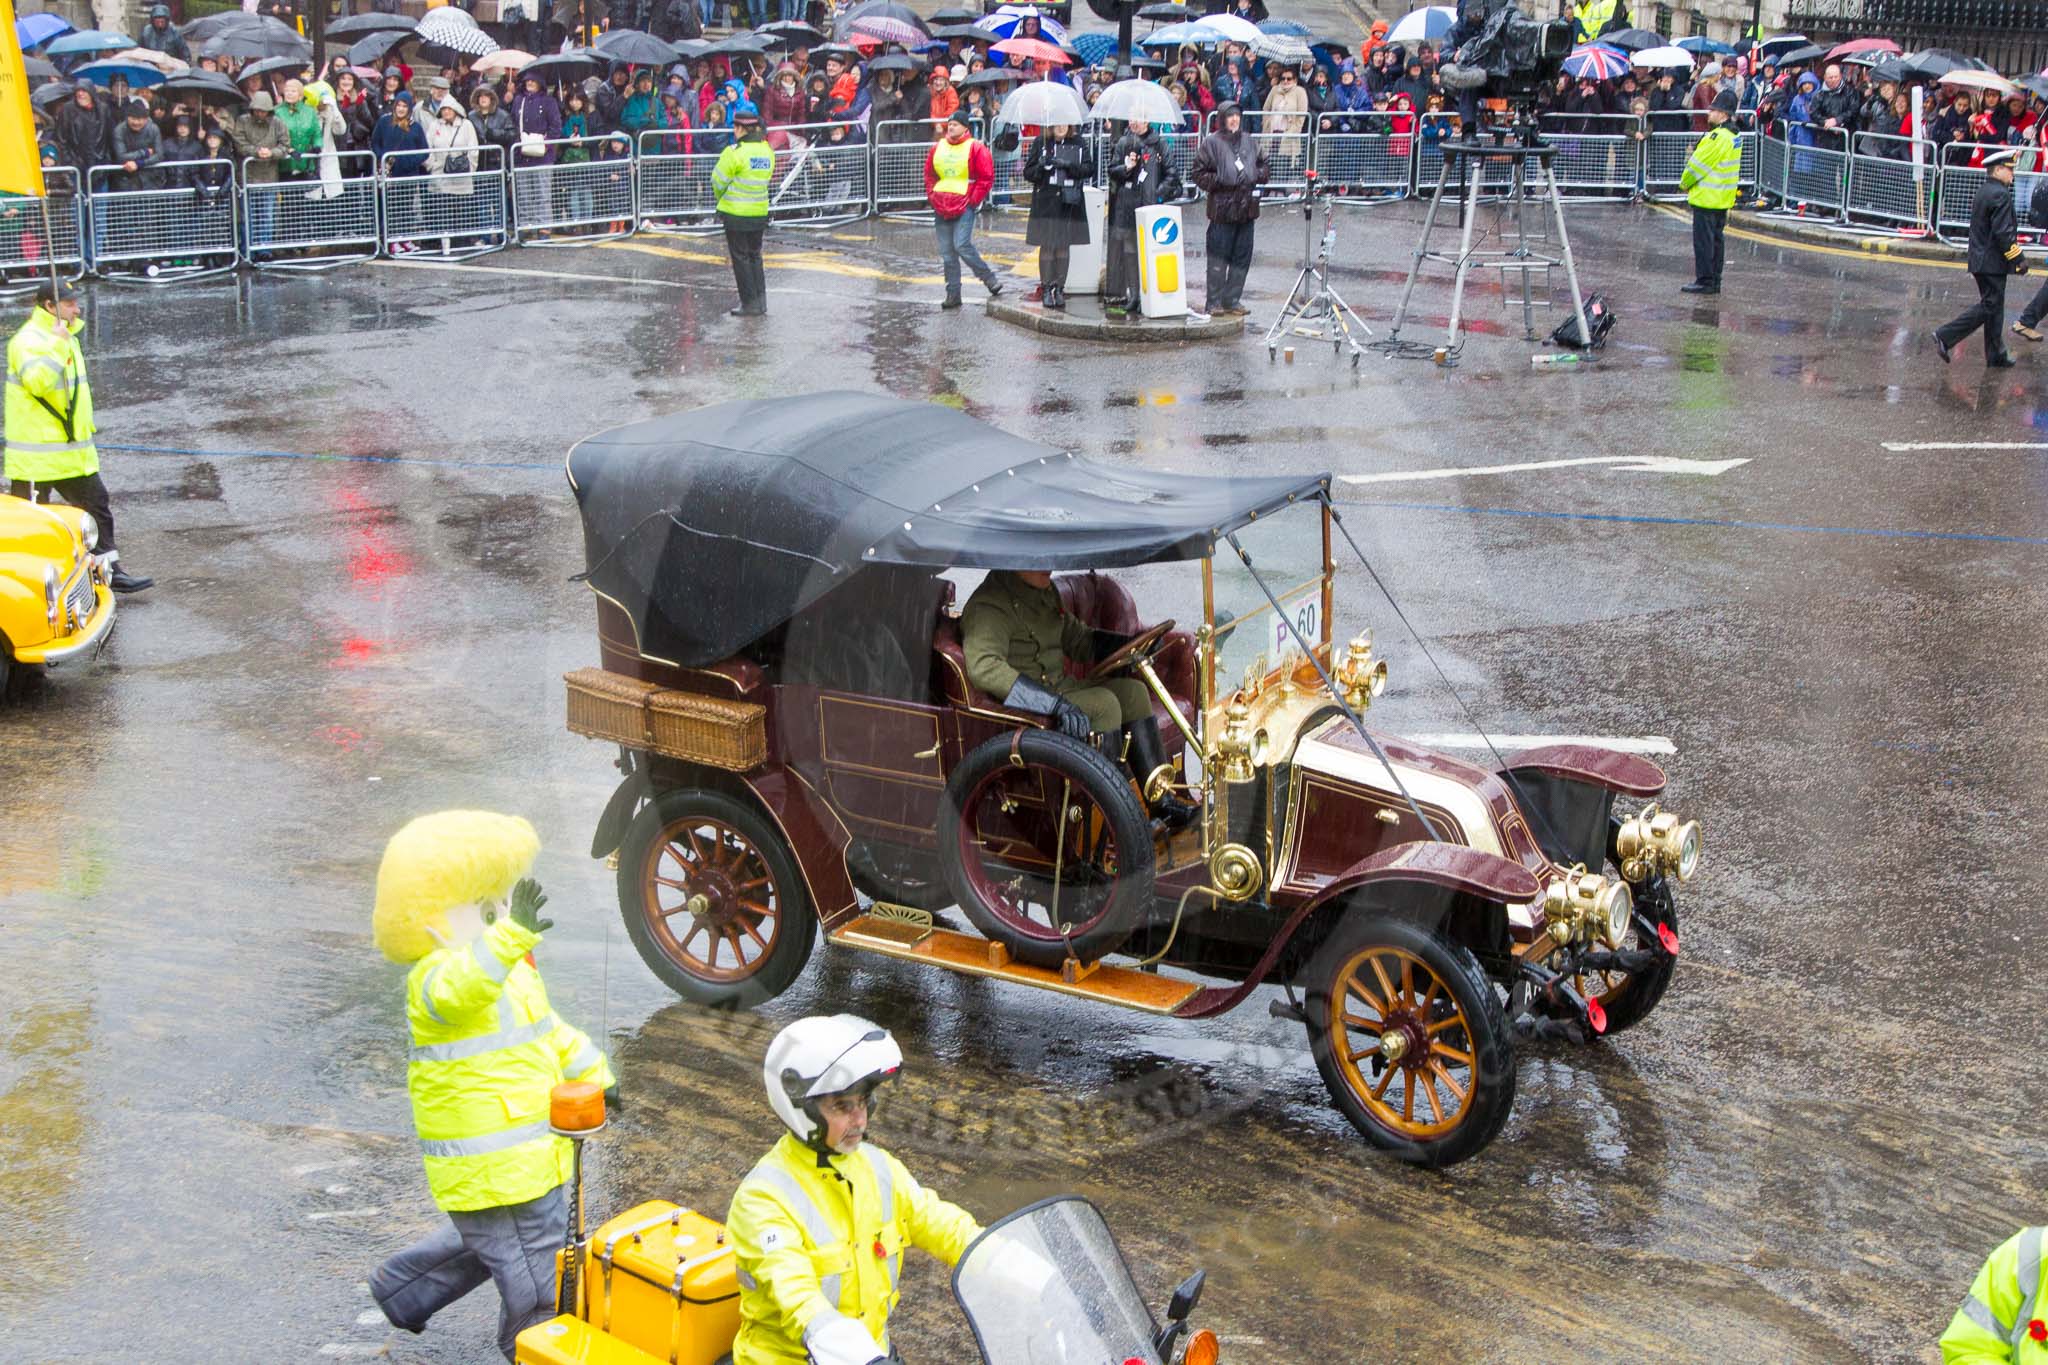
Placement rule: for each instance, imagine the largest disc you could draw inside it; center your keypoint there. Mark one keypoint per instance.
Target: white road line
(369, 1317)
(1627, 744)
(1965, 445)
(324, 1214)
(351, 1350)
(1649, 464)
(536, 274)
(318, 1166)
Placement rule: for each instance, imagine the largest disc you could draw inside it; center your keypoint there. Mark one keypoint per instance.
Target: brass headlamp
(1360, 676)
(1240, 748)
(1653, 841)
(1584, 906)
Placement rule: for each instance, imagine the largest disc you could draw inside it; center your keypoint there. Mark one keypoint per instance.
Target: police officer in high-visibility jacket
(2001, 1322)
(1709, 182)
(454, 901)
(50, 424)
(821, 1223)
(741, 180)
(1595, 17)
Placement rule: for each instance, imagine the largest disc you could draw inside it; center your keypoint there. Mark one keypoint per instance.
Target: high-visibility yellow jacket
(49, 402)
(2002, 1320)
(817, 1235)
(1593, 17)
(742, 177)
(1713, 171)
(486, 1051)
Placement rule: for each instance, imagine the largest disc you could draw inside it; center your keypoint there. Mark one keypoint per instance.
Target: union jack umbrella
(1596, 63)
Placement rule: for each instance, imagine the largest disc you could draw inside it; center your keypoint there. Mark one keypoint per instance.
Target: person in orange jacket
(958, 175)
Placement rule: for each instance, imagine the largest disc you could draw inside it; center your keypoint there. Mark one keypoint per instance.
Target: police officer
(49, 421)
(2001, 1320)
(820, 1225)
(1709, 182)
(741, 181)
(1994, 254)
(1017, 640)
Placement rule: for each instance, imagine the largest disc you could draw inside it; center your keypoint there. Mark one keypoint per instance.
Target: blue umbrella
(1712, 46)
(1095, 47)
(1173, 35)
(1293, 26)
(103, 73)
(39, 28)
(92, 40)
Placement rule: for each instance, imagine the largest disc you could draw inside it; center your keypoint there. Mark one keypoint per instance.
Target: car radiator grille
(79, 599)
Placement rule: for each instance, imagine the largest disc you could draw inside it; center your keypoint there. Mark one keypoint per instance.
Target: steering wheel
(1131, 649)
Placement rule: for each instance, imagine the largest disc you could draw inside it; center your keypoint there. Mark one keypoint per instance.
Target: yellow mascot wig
(438, 862)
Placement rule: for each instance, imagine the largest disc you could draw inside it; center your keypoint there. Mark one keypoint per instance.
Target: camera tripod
(1522, 149)
(1314, 309)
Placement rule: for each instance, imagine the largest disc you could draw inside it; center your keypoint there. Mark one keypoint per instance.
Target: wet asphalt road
(1803, 1154)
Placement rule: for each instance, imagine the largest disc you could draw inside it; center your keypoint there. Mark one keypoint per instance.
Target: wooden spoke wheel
(1047, 851)
(1410, 1039)
(712, 899)
(1628, 997)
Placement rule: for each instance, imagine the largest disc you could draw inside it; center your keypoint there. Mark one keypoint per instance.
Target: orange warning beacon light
(576, 1108)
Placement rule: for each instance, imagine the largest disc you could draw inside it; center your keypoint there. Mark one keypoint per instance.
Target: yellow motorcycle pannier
(664, 1279)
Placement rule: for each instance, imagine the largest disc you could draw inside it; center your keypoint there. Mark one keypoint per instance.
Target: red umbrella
(1864, 45)
(1032, 49)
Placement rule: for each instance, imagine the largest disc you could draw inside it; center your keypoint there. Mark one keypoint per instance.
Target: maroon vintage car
(781, 669)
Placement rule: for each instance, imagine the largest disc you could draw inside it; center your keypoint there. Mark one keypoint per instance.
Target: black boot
(1147, 755)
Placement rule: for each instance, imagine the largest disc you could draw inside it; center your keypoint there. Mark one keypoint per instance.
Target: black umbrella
(878, 9)
(1935, 62)
(689, 49)
(635, 48)
(1632, 39)
(1339, 46)
(211, 25)
(373, 49)
(896, 61)
(739, 45)
(1166, 13)
(205, 84)
(56, 92)
(270, 65)
(951, 14)
(1811, 52)
(970, 32)
(37, 69)
(792, 31)
(846, 54)
(1145, 61)
(564, 66)
(268, 38)
(355, 25)
(1888, 70)
(994, 75)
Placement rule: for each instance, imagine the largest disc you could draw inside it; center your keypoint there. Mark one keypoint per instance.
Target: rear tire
(1447, 1091)
(752, 929)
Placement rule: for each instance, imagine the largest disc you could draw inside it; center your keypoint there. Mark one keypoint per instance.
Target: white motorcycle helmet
(825, 1055)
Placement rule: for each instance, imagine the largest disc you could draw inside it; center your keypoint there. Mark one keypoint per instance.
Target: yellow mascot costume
(454, 902)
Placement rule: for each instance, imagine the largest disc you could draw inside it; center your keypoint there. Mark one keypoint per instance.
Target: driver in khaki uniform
(1017, 640)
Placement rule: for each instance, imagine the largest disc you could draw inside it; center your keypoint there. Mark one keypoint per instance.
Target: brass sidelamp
(1654, 840)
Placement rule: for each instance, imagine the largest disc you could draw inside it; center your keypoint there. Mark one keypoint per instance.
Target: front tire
(712, 899)
(1628, 997)
(1442, 1090)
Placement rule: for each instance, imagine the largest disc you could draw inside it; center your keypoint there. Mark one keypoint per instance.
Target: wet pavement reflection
(350, 491)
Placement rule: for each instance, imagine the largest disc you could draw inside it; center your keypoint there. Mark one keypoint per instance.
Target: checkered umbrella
(456, 36)
(1284, 48)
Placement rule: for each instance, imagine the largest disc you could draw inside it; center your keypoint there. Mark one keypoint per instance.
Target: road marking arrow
(1653, 464)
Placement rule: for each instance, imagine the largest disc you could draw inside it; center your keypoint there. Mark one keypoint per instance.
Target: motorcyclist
(821, 1222)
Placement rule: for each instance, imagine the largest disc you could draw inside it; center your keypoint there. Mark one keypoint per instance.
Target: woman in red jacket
(958, 175)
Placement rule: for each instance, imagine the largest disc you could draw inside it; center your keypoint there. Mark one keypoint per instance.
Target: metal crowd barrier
(323, 222)
(1597, 155)
(674, 184)
(1359, 153)
(588, 200)
(1816, 176)
(1958, 182)
(452, 206)
(819, 182)
(147, 231)
(1887, 183)
(901, 149)
(31, 244)
(1666, 151)
(1288, 152)
(1496, 174)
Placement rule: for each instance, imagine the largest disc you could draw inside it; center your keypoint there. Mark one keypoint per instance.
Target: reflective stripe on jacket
(486, 1052)
(742, 177)
(1713, 171)
(1996, 1322)
(49, 402)
(819, 1236)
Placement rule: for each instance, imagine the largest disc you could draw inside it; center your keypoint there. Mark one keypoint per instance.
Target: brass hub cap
(1402, 1043)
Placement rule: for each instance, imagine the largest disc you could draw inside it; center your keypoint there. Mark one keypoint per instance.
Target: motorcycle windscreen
(1048, 1286)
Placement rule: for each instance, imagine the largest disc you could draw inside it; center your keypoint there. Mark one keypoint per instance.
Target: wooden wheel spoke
(1407, 982)
(764, 911)
(750, 884)
(1363, 1052)
(1445, 1076)
(1407, 1094)
(1440, 1025)
(696, 928)
(1353, 1021)
(1386, 1077)
(697, 854)
(739, 953)
(754, 934)
(1445, 1050)
(670, 883)
(1429, 1093)
(1354, 986)
(1380, 971)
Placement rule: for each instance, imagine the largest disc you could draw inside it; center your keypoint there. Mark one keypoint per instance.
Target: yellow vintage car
(55, 602)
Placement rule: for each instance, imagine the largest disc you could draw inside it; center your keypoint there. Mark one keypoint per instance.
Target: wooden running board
(979, 957)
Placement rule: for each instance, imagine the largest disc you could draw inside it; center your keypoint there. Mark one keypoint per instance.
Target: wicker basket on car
(641, 715)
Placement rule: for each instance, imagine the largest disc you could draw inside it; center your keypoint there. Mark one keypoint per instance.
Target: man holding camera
(1229, 167)
(1994, 254)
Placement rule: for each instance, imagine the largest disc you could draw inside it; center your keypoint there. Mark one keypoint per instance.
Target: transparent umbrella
(1042, 104)
(1130, 101)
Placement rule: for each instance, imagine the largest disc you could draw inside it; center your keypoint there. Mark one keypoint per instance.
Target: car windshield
(1287, 550)
(1047, 1286)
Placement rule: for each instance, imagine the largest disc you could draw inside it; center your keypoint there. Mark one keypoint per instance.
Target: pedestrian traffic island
(1082, 318)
